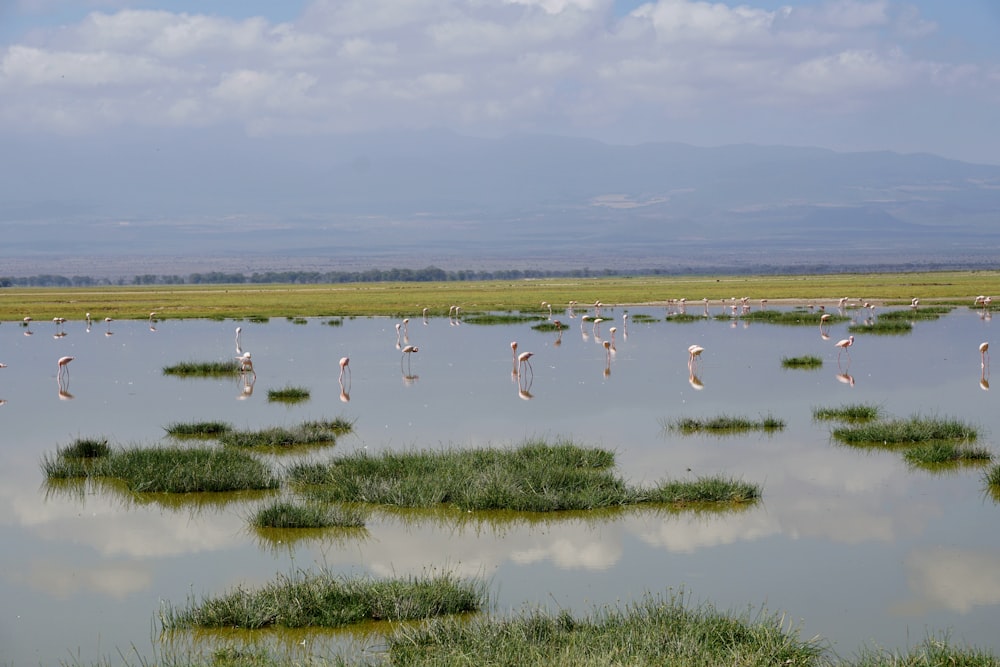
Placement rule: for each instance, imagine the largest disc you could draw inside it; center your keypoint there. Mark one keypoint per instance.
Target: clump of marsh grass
(203, 368)
(883, 326)
(324, 599)
(169, 469)
(791, 317)
(206, 429)
(501, 318)
(643, 317)
(806, 361)
(85, 448)
(914, 314)
(852, 412)
(684, 317)
(724, 424)
(323, 432)
(283, 514)
(335, 322)
(932, 652)
(705, 490)
(916, 429)
(536, 477)
(548, 326)
(939, 453)
(652, 631)
(288, 394)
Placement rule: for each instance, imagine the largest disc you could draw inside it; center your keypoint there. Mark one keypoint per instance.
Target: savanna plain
(278, 490)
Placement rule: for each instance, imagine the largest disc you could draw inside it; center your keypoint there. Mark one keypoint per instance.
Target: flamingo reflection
(846, 378)
(695, 381)
(524, 387)
(247, 381)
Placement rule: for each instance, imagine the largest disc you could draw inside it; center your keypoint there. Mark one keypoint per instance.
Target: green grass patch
(335, 322)
(535, 477)
(643, 318)
(806, 361)
(501, 318)
(795, 317)
(326, 600)
(288, 394)
(940, 453)
(883, 326)
(852, 412)
(169, 469)
(905, 431)
(85, 448)
(203, 368)
(724, 424)
(548, 326)
(307, 433)
(916, 314)
(684, 317)
(283, 514)
(656, 630)
(206, 429)
(932, 652)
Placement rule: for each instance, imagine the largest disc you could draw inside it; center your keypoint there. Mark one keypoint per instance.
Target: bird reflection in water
(247, 381)
(846, 378)
(524, 388)
(345, 390)
(695, 382)
(607, 358)
(559, 327)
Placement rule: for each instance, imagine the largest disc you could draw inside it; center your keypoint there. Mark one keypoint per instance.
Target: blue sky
(920, 76)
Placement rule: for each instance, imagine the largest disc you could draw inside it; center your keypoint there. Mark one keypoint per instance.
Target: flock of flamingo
(521, 362)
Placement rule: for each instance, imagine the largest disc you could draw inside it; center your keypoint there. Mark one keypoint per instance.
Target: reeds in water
(941, 453)
(882, 326)
(852, 412)
(283, 514)
(656, 630)
(536, 477)
(325, 599)
(307, 433)
(501, 318)
(288, 394)
(206, 429)
(203, 368)
(85, 448)
(725, 424)
(169, 469)
(806, 361)
(905, 431)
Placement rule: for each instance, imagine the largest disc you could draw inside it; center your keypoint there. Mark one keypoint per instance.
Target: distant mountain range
(202, 200)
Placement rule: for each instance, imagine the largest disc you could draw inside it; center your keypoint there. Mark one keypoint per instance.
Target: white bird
(843, 345)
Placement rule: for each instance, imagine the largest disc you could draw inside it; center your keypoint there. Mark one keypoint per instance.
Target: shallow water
(853, 545)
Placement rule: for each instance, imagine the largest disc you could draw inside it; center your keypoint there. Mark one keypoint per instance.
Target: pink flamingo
(843, 345)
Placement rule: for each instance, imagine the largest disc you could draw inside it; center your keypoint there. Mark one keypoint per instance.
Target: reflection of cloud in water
(586, 554)
(687, 532)
(955, 579)
(115, 580)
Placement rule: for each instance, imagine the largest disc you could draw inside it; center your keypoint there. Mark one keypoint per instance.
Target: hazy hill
(413, 199)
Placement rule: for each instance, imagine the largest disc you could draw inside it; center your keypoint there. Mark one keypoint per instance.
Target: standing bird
(843, 345)
(407, 351)
(984, 354)
(239, 342)
(513, 356)
(524, 359)
(694, 352)
(345, 365)
(246, 363)
(63, 366)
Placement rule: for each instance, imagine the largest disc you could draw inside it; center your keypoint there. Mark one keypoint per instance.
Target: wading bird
(842, 345)
(407, 351)
(62, 366)
(513, 357)
(239, 342)
(246, 364)
(984, 354)
(694, 352)
(345, 365)
(524, 359)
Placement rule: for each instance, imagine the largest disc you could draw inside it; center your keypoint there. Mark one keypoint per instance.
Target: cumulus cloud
(483, 66)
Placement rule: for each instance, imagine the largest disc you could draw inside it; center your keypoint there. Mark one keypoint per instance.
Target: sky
(849, 75)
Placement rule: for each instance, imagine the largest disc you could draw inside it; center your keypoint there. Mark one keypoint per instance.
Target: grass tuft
(207, 429)
(938, 453)
(724, 424)
(536, 477)
(807, 361)
(307, 433)
(853, 412)
(652, 631)
(169, 469)
(883, 326)
(282, 514)
(203, 368)
(905, 431)
(86, 448)
(326, 600)
(288, 394)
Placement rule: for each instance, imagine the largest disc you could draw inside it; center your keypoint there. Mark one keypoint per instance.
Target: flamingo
(406, 328)
(613, 330)
(345, 364)
(524, 359)
(239, 347)
(63, 366)
(694, 352)
(246, 363)
(407, 351)
(984, 354)
(513, 355)
(843, 345)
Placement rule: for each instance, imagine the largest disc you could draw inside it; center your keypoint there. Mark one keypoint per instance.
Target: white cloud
(481, 66)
